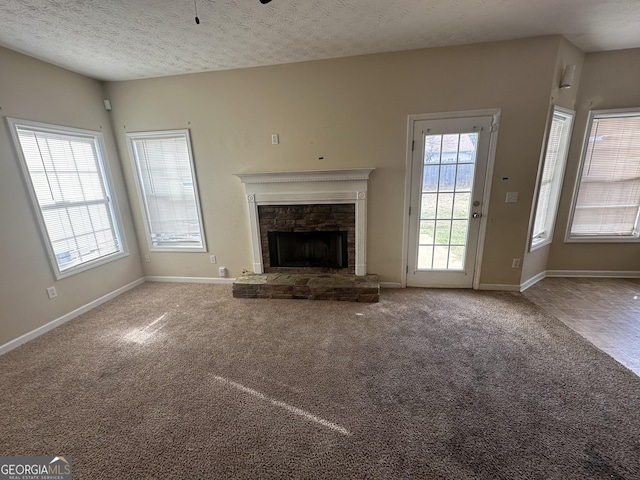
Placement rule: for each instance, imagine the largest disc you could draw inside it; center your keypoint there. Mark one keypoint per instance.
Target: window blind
(66, 174)
(608, 199)
(550, 182)
(168, 190)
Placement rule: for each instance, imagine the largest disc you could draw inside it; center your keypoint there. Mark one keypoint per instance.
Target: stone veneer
(349, 288)
(308, 218)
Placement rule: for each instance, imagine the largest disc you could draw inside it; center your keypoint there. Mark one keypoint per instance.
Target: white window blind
(550, 181)
(608, 195)
(67, 179)
(168, 190)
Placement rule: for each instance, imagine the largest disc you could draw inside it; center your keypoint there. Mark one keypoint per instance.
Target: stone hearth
(364, 288)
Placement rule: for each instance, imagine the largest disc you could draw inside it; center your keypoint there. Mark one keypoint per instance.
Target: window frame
(563, 154)
(107, 183)
(593, 114)
(131, 137)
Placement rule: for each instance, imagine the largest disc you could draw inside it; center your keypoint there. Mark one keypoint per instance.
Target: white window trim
(143, 204)
(533, 245)
(618, 112)
(103, 162)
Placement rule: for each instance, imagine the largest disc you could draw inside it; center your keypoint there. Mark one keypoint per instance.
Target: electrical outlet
(51, 291)
(222, 271)
(213, 259)
(147, 258)
(275, 139)
(515, 263)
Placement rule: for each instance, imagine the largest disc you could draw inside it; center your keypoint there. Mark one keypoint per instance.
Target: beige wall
(353, 111)
(609, 80)
(34, 90)
(535, 262)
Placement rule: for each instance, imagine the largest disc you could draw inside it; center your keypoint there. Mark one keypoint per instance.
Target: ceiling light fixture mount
(195, 7)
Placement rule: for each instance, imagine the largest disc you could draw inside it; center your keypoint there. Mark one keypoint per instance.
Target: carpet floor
(183, 381)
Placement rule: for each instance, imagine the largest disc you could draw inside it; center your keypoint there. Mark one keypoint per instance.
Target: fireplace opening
(308, 249)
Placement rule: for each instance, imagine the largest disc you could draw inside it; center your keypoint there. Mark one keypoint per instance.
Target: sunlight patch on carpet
(142, 335)
(286, 406)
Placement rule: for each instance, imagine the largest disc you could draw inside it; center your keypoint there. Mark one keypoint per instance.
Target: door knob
(476, 215)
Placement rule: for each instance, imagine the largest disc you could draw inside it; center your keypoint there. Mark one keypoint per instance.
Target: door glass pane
(440, 257)
(464, 177)
(432, 146)
(430, 178)
(459, 232)
(425, 257)
(456, 258)
(445, 205)
(461, 205)
(450, 145)
(448, 169)
(429, 203)
(447, 180)
(427, 228)
(443, 231)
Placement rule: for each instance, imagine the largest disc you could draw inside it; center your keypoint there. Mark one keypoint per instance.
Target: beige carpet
(183, 381)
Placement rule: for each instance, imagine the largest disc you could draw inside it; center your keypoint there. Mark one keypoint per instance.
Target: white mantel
(308, 187)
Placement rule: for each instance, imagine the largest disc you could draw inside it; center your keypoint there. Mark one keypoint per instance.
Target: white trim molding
(578, 274)
(500, 287)
(164, 279)
(15, 343)
(308, 187)
(532, 281)
(594, 273)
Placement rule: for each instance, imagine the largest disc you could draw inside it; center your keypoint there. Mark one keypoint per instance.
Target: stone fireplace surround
(307, 218)
(319, 187)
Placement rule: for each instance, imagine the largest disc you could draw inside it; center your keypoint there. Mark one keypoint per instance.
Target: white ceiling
(127, 39)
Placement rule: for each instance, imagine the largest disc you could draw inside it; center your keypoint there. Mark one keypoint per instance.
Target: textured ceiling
(127, 39)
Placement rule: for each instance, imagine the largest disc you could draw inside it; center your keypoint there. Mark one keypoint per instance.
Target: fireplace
(319, 211)
(308, 238)
(324, 250)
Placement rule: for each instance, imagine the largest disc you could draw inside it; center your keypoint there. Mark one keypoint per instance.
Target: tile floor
(603, 310)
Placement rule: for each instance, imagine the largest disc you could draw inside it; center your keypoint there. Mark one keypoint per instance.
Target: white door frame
(493, 140)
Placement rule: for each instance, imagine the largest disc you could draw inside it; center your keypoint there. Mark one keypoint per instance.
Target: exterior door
(448, 172)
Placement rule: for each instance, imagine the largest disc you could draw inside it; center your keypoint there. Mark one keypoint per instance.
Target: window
(550, 177)
(65, 173)
(168, 191)
(607, 199)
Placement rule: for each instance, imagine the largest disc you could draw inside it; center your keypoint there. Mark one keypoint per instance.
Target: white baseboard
(189, 279)
(390, 285)
(15, 343)
(593, 273)
(578, 274)
(532, 281)
(496, 286)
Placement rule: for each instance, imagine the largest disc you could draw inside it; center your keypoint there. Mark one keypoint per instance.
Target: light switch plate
(512, 197)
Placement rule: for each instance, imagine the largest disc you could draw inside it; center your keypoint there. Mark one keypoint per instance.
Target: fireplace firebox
(308, 249)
